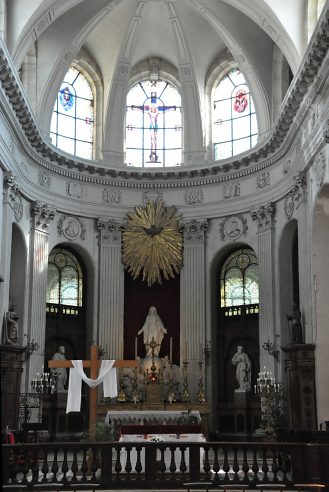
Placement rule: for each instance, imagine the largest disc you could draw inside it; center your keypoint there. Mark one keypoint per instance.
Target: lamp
(29, 349)
(266, 383)
(270, 348)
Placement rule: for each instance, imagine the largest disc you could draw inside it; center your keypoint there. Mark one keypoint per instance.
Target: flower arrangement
(156, 438)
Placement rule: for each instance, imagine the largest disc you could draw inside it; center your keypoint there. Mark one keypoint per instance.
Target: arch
(314, 9)
(18, 277)
(219, 69)
(320, 272)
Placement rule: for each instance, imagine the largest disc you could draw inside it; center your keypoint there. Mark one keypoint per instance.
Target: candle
(170, 351)
(185, 350)
(135, 347)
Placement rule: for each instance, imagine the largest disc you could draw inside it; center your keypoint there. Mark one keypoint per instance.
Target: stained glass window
(234, 118)
(239, 279)
(153, 125)
(65, 279)
(72, 123)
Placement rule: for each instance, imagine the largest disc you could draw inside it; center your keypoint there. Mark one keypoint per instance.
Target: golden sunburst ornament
(152, 243)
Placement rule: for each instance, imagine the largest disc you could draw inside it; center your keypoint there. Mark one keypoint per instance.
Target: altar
(155, 416)
(161, 434)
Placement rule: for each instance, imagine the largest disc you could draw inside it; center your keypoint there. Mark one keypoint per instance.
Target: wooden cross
(94, 364)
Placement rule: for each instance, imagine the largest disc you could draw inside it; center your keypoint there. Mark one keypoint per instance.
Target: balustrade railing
(161, 465)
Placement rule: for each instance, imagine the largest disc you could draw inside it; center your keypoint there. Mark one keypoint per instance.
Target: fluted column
(42, 215)
(264, 218)
(192, 317)
(111, 288)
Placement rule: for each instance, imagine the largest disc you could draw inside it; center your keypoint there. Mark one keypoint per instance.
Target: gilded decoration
(152, 243)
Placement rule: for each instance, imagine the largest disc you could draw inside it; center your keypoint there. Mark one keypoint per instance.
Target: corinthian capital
(264, 216)
(42, 215)
(109, 231)
(194, 231)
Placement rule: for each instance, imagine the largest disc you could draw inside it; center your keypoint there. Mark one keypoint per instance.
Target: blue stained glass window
(65, 279)
(235, 127)
(72, 123)
(153, 125)
(239, 279)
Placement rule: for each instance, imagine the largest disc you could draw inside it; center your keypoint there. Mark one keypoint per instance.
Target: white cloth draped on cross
(107, 376)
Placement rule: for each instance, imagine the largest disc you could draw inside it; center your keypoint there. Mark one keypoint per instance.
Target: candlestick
(135, 347)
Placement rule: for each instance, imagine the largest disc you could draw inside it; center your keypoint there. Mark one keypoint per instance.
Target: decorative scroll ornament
(151, 197)
(152, 243)
(233, 228)
(264, 216)
(42, 214)
(14, 195)
(320, 167)
(289, 205)
(300, 188)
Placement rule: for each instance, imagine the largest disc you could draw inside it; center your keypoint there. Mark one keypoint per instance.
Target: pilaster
(111, 287)
(264, 218)
(192, 279)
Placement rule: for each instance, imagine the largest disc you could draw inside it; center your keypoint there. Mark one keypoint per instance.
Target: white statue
(243, 369)
(153, 328)
(11, 326)
(59, 373)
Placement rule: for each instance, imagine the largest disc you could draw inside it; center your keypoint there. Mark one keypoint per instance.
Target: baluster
(26, 465)
(128, 466)
(55, 468)
(162, 464)
(84, 466)
(285, 465)
(206, 464)
(74, 467)
(138, 466)
(264, 465)
(275, 467)
(65, 466)
(235, 465)
(255, 467)
(118, 466)
(215, 466)
(94, 463)
(172, 466)
(45, 467)
(226, 466)
(182, 466)
(245, 466)
(35, 466)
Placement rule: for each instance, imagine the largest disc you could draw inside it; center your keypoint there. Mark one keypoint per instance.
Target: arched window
(239, 279)
(234, 123)
(65, 279)
(72, 123)
(153, 125)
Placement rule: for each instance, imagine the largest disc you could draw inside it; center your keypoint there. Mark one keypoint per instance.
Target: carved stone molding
(74, 190)
(111, 196)
(326, 131)
(231, 190)
(300, 188)
(263, 180)
(71, 228)
(264, 216)
(152, 196)
(193, 197)
(289, 205)
(320, 165)
(13, 195)
(233, 227)
(42, 215)
(194, 231)
(110, 231)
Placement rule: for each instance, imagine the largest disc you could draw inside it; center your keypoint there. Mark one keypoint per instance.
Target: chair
(234, 486)
(271, 486)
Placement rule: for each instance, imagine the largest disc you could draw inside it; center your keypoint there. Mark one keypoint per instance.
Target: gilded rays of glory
(152, 243)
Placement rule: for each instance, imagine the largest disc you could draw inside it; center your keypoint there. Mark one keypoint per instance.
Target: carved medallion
(71, 227)
(320, 167)
(152, 197)
(192, 197)
(263, 180)
(111, 196)
(44, 179)
(233, 228)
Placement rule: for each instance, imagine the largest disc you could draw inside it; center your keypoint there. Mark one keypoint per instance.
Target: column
(192, 287)
(264, 218)
(111, 288)
(41, 218)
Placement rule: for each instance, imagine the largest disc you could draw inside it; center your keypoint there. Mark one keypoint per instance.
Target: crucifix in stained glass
(153, 109)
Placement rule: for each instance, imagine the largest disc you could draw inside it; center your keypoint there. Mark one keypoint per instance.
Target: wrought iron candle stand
(201, 392)
(42, 385)
(186, 391)
(271, 396)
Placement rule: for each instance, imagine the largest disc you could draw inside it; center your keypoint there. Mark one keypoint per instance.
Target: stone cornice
(49, 158)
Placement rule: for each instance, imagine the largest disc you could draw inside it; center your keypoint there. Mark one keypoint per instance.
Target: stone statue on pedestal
(11, 327)
(60, 373)
(243, 369)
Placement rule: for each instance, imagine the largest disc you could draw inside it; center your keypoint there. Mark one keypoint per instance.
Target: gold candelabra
(186, 391)
(201, 392)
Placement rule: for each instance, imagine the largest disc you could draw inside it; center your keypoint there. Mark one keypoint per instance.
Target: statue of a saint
(59, 374)
(296, 330)
(11, 326)
(243, 369)
(153, 328)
